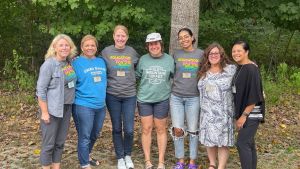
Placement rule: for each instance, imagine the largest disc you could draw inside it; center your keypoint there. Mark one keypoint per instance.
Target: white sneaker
(129, 163)
(121, 164)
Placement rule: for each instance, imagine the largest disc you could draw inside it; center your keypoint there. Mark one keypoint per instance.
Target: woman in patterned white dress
(216, 105)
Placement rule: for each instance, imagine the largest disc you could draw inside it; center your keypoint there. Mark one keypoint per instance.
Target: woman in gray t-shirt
(121, 94)
(184, 100)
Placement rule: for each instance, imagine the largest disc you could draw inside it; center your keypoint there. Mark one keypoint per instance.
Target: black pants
(246, 144)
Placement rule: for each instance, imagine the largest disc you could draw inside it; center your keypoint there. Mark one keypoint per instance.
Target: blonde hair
(122, 27)
(51, 50)
(86, 38)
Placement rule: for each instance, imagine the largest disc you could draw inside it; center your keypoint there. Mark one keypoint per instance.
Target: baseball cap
(153, 37)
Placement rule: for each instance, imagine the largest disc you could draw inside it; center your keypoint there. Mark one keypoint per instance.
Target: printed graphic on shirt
(96, 73)
(189, 65)
(155, 74)
(94, 70)
(121, 62)
(69, 72)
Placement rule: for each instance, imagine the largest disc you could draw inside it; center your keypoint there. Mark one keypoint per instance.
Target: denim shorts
(159, 110)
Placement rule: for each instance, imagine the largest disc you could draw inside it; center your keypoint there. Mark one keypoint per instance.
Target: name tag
(120, 73)
(209, 88)
(97, 79)
(71, 84)
(233, 89)
(186, 75)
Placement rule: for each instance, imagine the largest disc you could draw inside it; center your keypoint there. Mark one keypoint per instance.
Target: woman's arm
(241, 121)
(42, 88)
(44, 110)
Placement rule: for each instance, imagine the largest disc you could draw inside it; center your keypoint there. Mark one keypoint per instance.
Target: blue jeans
(88, 123)
(122, 110)
(185, 109)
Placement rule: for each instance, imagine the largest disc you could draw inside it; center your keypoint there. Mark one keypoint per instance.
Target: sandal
(192, 166)
(161, 167)
(148, 165)
(179, 165)
(212, 166)
(94, 162)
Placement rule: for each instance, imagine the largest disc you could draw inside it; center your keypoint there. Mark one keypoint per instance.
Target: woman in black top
(249, 103)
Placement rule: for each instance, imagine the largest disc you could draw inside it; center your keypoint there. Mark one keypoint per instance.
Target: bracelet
(245, 114)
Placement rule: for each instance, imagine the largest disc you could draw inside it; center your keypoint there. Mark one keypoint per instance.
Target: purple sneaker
(179, 165)
(192, 166)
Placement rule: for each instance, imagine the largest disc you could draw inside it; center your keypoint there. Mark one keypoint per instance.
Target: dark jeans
(88, 123)
(121, 110)
(246, 144)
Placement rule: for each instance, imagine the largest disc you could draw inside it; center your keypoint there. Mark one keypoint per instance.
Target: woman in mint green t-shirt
(154, 71)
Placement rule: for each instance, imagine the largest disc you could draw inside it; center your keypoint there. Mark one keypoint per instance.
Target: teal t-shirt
(155, 75)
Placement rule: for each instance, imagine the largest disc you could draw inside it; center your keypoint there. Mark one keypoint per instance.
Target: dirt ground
(278, 140)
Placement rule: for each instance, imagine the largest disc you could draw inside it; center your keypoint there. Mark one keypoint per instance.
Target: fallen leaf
(283, 126)
(31, 143)
(37, 151)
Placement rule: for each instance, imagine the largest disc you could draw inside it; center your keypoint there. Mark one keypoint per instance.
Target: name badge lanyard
(234, 80)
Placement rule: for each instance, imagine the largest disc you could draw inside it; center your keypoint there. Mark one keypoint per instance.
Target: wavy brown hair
(205, 65)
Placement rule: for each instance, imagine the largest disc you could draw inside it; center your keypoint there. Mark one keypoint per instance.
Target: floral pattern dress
(216, 108)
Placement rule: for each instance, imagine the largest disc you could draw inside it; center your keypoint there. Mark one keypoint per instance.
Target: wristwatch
(246, 114)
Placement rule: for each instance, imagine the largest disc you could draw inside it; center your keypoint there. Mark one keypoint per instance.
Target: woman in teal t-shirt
(154, 70)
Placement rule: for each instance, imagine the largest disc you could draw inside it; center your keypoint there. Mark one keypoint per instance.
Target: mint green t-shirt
(155, 75)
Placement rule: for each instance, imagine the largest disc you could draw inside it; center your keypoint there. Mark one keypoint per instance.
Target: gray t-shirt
(120, 65)
(70, 81)
(186, 69)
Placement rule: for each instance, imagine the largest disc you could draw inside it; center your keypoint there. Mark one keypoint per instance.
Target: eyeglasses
(213, 54)
(184, 37)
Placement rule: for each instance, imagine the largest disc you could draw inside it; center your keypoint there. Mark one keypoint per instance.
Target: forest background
(270, 26)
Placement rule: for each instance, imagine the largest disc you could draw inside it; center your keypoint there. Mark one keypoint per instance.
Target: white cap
(153, 37)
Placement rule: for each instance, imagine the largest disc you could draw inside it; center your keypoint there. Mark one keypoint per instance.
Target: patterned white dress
(217, 109)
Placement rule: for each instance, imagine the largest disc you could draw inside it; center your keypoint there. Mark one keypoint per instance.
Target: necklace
(235, 78)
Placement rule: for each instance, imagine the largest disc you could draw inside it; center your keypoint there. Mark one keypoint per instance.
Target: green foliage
(286, 81)
(295, 79)
(95, 17)
(271, 27)
(78, 18)
(282, 13)
(17, 77)
(282, 72)
(289, 76)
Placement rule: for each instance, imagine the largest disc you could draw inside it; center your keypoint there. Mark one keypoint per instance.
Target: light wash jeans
(185, 110)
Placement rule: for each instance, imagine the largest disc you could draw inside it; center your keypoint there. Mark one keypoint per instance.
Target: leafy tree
(19, 31)
(95, 17)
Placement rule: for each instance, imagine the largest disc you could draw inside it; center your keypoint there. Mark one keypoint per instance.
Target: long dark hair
(189, 31)
(205, 65)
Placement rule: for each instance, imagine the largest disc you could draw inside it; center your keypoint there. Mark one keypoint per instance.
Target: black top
(248, 84)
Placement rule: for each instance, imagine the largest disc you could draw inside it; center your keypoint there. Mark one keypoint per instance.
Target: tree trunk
(185, 13)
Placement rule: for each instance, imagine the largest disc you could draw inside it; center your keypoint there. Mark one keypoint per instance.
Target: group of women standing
(206, 86)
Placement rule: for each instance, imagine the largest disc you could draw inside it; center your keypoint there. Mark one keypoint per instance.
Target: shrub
(15, 76)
